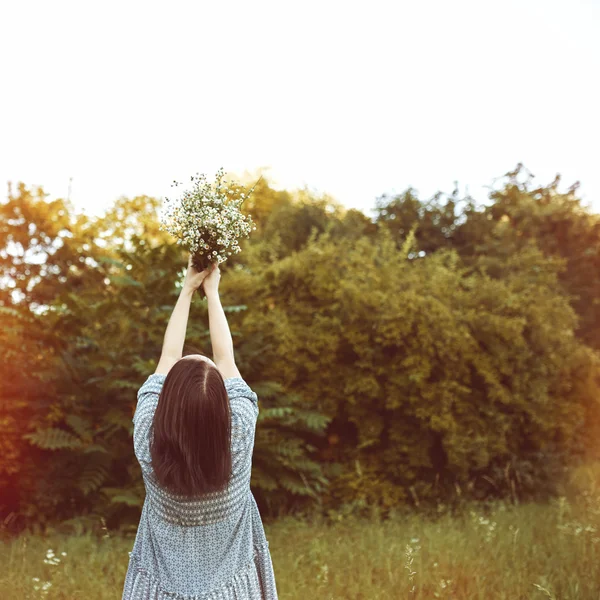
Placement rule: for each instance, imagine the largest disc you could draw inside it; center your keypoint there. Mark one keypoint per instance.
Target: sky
(350, 99)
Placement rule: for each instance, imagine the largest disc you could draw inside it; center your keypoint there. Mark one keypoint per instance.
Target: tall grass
(494, 552)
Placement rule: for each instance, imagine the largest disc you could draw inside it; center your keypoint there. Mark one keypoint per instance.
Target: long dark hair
(190, 449)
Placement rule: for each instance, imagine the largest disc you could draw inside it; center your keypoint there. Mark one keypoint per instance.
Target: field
(499, 551)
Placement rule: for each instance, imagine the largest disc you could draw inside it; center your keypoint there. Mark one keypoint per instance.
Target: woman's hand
(172, 348)
(193, 278)
(211, 283)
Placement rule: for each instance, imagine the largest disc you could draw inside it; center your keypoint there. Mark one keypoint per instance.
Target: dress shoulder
(153, 384)
(242, 399)
(238, 388)
(147, 396)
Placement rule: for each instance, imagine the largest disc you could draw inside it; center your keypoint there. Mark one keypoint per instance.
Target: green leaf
(93, 476)
(127, 499)
(79, 425)
(124, 280)
(53, 439)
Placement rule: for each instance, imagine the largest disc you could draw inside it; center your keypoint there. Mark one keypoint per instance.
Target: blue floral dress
(209, 549)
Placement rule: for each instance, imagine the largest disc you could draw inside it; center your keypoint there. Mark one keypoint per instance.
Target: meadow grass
(496, 552)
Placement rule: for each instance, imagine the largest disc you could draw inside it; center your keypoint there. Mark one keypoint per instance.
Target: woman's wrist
(187, 290)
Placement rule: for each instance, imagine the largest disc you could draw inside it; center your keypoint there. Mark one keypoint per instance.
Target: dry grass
(530, 551)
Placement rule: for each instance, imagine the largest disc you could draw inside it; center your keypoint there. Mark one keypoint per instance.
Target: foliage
(442, 350)
(78, 359)
(517, 214)
(434, 373)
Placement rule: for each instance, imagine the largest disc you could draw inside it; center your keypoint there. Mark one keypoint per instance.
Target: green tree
(86, 344)
(521, 214)
(515, 216)
(433, 372)
(434, 221)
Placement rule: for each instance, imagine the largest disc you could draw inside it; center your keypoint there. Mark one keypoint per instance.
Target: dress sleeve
(244, 413)
(147, 401)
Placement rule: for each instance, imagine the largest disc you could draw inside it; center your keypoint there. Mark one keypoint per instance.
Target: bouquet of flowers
(207, 220)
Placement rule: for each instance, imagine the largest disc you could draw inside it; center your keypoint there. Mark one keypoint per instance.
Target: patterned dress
(209, 549)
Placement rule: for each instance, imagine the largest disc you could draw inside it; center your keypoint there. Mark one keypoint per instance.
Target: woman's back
(213, 547)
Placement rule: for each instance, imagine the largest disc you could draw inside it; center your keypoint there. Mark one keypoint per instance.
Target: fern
(143, 367)
(290, 448)
(80, 426)
(261, 478)
(314, 421)
(276, 412)
(94, 474)
(123, 384)
(96, 448)
(283, 462)
(268, 389)
(295, 485)
(117, 419)
(129, 497)
(53, 439)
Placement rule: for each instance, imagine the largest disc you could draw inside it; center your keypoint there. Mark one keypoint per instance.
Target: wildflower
(207, 218)
(408, 566)
(51, 558)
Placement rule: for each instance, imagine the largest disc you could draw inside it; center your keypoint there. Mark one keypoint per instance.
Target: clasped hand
(208, 278)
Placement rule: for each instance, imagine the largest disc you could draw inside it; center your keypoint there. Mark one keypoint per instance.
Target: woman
(200, 534)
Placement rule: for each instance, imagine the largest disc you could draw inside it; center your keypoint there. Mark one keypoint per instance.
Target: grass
(498, 552)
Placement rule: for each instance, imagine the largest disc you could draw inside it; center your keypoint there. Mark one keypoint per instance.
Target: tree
(85, 346)
(432, 371)
(517, 215)
(434, 221)
(520, 215)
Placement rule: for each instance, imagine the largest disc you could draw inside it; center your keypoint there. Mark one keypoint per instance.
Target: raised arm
(220, 335)
(174, 339)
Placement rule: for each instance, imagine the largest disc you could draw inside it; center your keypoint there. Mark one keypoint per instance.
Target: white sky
(354, 99)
